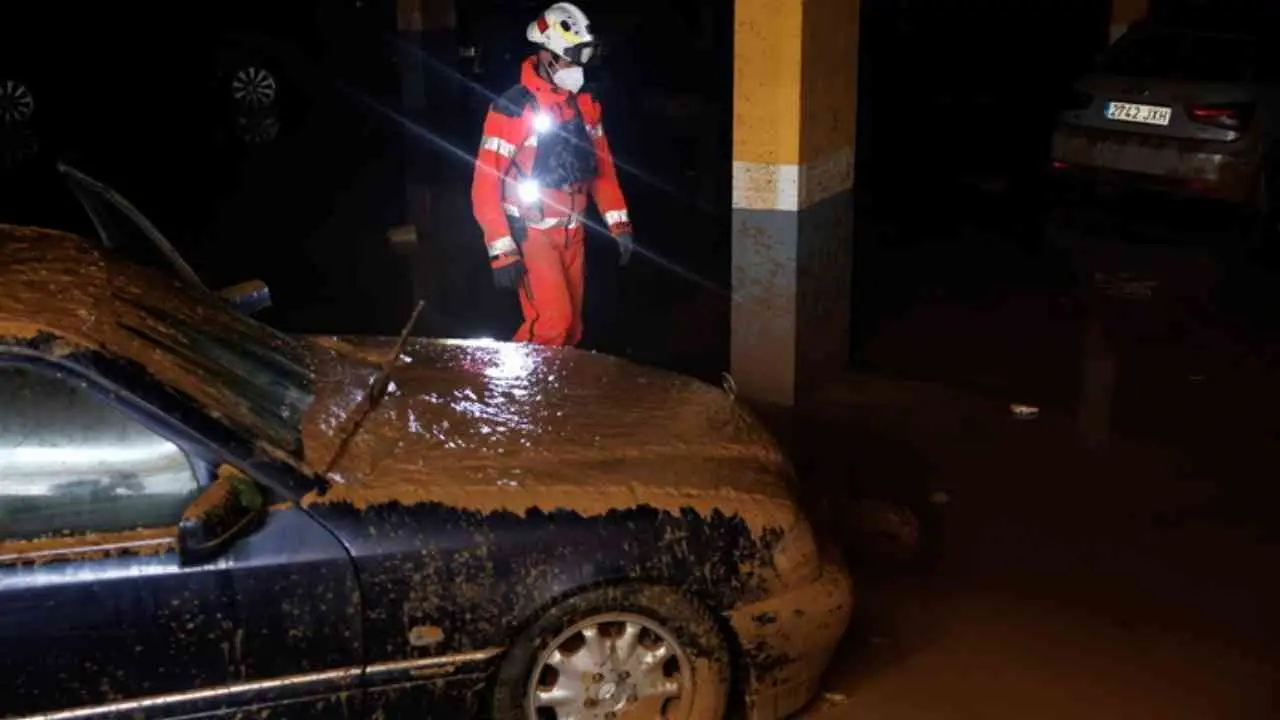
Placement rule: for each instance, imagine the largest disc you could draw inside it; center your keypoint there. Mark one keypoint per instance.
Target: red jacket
(508, 150)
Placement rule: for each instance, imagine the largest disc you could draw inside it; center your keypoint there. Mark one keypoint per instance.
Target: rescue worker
(542, 152)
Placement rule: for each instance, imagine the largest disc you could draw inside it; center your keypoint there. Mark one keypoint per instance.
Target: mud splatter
(58, 284)
(790, 652)
(425, 636)
(142, 542)
(486, 426)
(494, 426)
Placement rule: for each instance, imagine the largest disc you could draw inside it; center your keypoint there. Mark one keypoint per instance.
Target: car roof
(86, 298)
(53, 281)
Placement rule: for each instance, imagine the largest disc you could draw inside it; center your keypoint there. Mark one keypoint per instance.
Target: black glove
(625, 245)
(508, 277)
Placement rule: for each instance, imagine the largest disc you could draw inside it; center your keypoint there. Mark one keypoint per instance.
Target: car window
(1183, 56)
(71, 463)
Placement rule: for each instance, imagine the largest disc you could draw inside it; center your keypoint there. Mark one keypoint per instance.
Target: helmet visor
(581, 53)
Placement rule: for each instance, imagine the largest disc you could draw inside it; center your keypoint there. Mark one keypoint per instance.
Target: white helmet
(564, 30)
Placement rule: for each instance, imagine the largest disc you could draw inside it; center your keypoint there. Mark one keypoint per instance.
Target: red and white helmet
(564, 30)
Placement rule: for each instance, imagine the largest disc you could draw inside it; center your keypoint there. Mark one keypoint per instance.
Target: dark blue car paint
(480, 578)
(290, 602)
(100, 625)
(87, 628)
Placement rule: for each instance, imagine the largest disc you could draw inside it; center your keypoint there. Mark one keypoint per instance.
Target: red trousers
(551, 294)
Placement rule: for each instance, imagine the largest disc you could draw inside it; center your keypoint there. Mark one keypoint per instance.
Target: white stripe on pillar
(791, 187)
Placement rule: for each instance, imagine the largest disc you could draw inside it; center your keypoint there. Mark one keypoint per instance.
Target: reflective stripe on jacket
(508, 151)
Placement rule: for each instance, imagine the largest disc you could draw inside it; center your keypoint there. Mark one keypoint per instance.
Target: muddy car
(1180, 111)
(200, 516)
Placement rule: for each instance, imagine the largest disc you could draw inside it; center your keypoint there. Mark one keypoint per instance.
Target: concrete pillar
(794, 120)
(1125, 13)
(425, 30)
(412, 68)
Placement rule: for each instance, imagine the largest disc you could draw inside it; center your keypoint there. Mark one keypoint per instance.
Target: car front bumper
(788, 640)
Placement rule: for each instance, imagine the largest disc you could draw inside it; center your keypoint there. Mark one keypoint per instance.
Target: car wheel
(628, 650)
(16, 102)
(254, 87)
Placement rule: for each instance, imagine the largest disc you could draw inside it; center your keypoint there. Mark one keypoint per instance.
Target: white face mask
(570, 78)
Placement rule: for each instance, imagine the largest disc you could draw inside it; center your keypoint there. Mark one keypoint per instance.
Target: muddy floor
(1108, 555)
(1053, 581)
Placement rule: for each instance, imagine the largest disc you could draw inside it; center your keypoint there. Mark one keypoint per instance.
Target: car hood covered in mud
(490, 425)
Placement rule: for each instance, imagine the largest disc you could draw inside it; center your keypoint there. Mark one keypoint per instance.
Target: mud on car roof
(249, 375)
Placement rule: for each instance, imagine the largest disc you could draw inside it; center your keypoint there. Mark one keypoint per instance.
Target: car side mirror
(231, 507)
(247, 297)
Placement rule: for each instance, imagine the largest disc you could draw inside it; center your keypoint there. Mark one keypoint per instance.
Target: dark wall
(961, 88)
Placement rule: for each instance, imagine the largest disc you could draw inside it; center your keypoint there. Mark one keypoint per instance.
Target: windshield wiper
(378, 387)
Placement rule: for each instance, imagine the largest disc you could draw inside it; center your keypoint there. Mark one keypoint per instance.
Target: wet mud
(508, 445)
(492, 426)
(61, 286)
(480, 425)
(142, 542)
(491, 477)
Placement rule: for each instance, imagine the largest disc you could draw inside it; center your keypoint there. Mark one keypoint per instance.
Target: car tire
(666, 643)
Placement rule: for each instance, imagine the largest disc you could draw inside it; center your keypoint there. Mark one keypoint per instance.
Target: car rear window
(1183, 56)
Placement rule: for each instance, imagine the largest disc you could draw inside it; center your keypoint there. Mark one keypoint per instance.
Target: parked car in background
(245, 71)
(200, 516)
(1181, 112)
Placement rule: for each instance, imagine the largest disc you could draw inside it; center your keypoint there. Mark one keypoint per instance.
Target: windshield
(1183, 56)
(255, 379)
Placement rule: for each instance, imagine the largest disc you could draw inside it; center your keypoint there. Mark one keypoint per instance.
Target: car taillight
(1230, 116)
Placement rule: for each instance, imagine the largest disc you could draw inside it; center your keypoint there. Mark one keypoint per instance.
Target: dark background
(957, 101)
(1102, 561)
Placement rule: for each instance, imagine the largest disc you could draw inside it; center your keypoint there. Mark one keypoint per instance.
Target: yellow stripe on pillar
(767, 80)
(830, 97)
(795, 101)
(1125, 13)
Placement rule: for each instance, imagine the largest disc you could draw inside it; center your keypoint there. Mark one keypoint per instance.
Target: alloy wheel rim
(254, 87)
(611, 666)
(16, 102)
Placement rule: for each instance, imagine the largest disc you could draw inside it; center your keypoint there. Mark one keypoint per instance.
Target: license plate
(1139, 113)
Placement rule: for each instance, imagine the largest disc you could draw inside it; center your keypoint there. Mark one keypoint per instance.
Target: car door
(100, 616)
